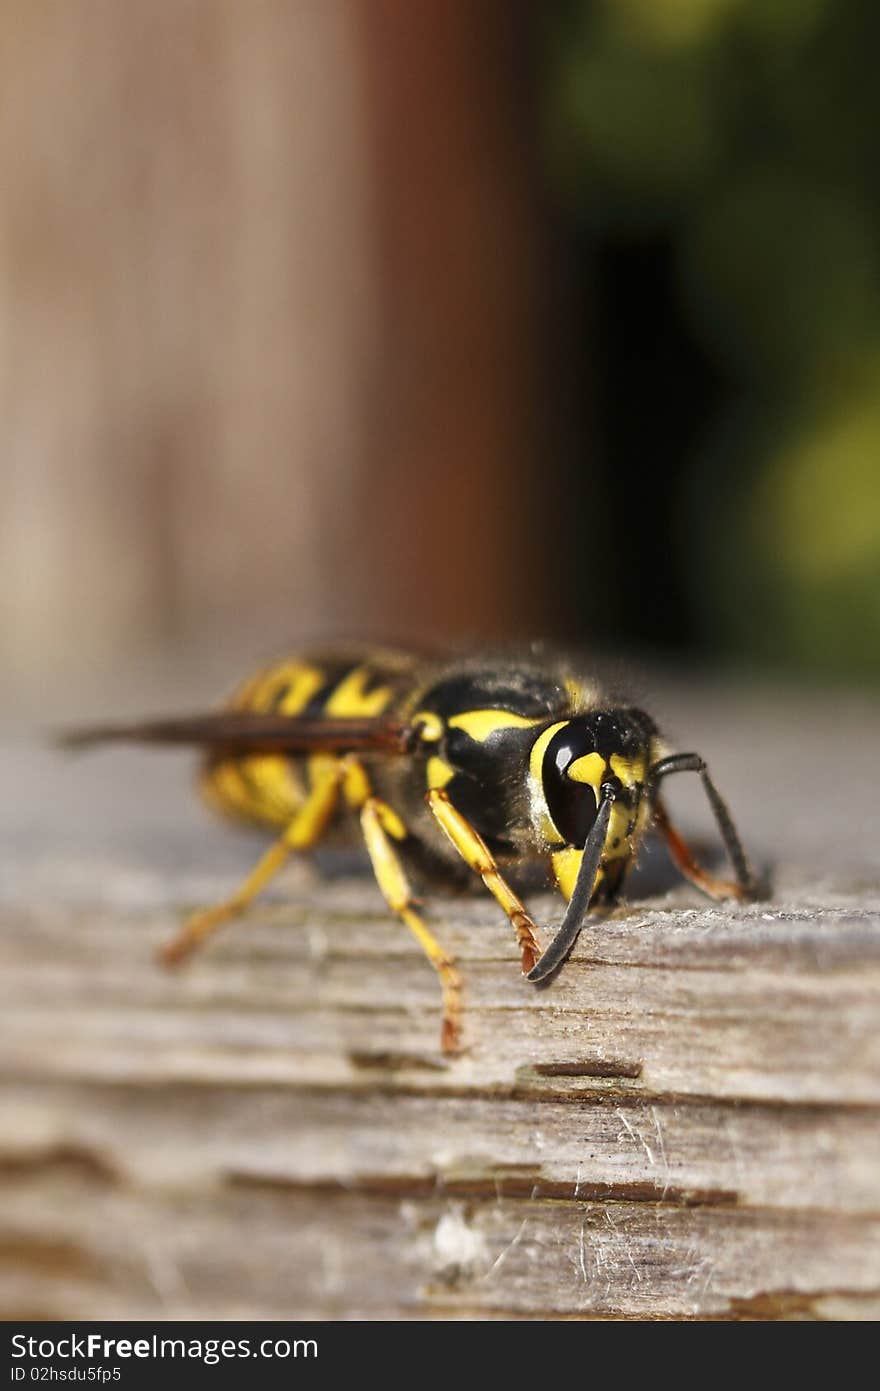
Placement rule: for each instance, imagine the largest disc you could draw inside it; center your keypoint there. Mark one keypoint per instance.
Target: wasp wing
(248, 731)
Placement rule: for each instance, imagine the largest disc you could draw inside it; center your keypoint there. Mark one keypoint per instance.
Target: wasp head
(575, 766)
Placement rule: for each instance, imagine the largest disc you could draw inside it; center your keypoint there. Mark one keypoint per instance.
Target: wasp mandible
(470, 764)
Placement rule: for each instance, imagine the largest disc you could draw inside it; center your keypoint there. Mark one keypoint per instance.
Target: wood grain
(684, 1125)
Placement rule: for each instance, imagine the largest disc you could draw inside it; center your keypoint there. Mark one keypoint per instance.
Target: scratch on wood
(665, 1161)
(636, 1136)
(503, 1255)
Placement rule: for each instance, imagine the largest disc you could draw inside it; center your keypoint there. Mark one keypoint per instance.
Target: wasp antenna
(693, 763)
(580, 900)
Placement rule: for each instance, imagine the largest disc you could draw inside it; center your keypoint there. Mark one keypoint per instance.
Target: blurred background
(445, 322)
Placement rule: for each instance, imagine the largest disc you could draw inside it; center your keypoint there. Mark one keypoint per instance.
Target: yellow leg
(379, 823)
(474, 851)
(304, 831)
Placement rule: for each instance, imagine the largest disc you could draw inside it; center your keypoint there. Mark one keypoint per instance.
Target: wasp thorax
(588, 757)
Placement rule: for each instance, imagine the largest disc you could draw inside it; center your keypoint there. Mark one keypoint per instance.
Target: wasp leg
(683, 858)
(379, 824)
(745, 886)
(474, 851)
(303, 832)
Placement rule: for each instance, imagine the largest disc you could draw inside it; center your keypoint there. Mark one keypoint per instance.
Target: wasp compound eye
(571, 803)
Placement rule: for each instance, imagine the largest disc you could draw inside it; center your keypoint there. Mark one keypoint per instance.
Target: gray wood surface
(683, 1125)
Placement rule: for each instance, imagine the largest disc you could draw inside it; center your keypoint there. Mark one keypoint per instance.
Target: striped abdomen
(269, 788)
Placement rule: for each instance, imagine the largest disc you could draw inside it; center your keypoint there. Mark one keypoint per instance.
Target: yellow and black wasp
(488, 767)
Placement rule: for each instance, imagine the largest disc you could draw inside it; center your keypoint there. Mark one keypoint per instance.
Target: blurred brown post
(448, 487)
(266, 361)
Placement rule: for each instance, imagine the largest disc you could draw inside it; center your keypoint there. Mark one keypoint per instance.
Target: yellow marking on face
(567, 862)
(629, 770)
(439, 772)
(479, 724)
(539, 748)
(566, 866)
(350, 700)
(431, 726)
(541, 817)
(589, 769)
(620, 819)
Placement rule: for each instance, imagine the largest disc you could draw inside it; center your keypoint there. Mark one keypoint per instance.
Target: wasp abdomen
(269, 788)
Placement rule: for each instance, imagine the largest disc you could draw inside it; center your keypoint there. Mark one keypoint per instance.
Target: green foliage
(746, 130)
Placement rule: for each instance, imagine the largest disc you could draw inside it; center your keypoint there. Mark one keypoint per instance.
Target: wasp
(485, 769)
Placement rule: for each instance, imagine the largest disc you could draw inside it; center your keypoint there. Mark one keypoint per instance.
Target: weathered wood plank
(775, 1005)
(683, 1125)
(79, 1243)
